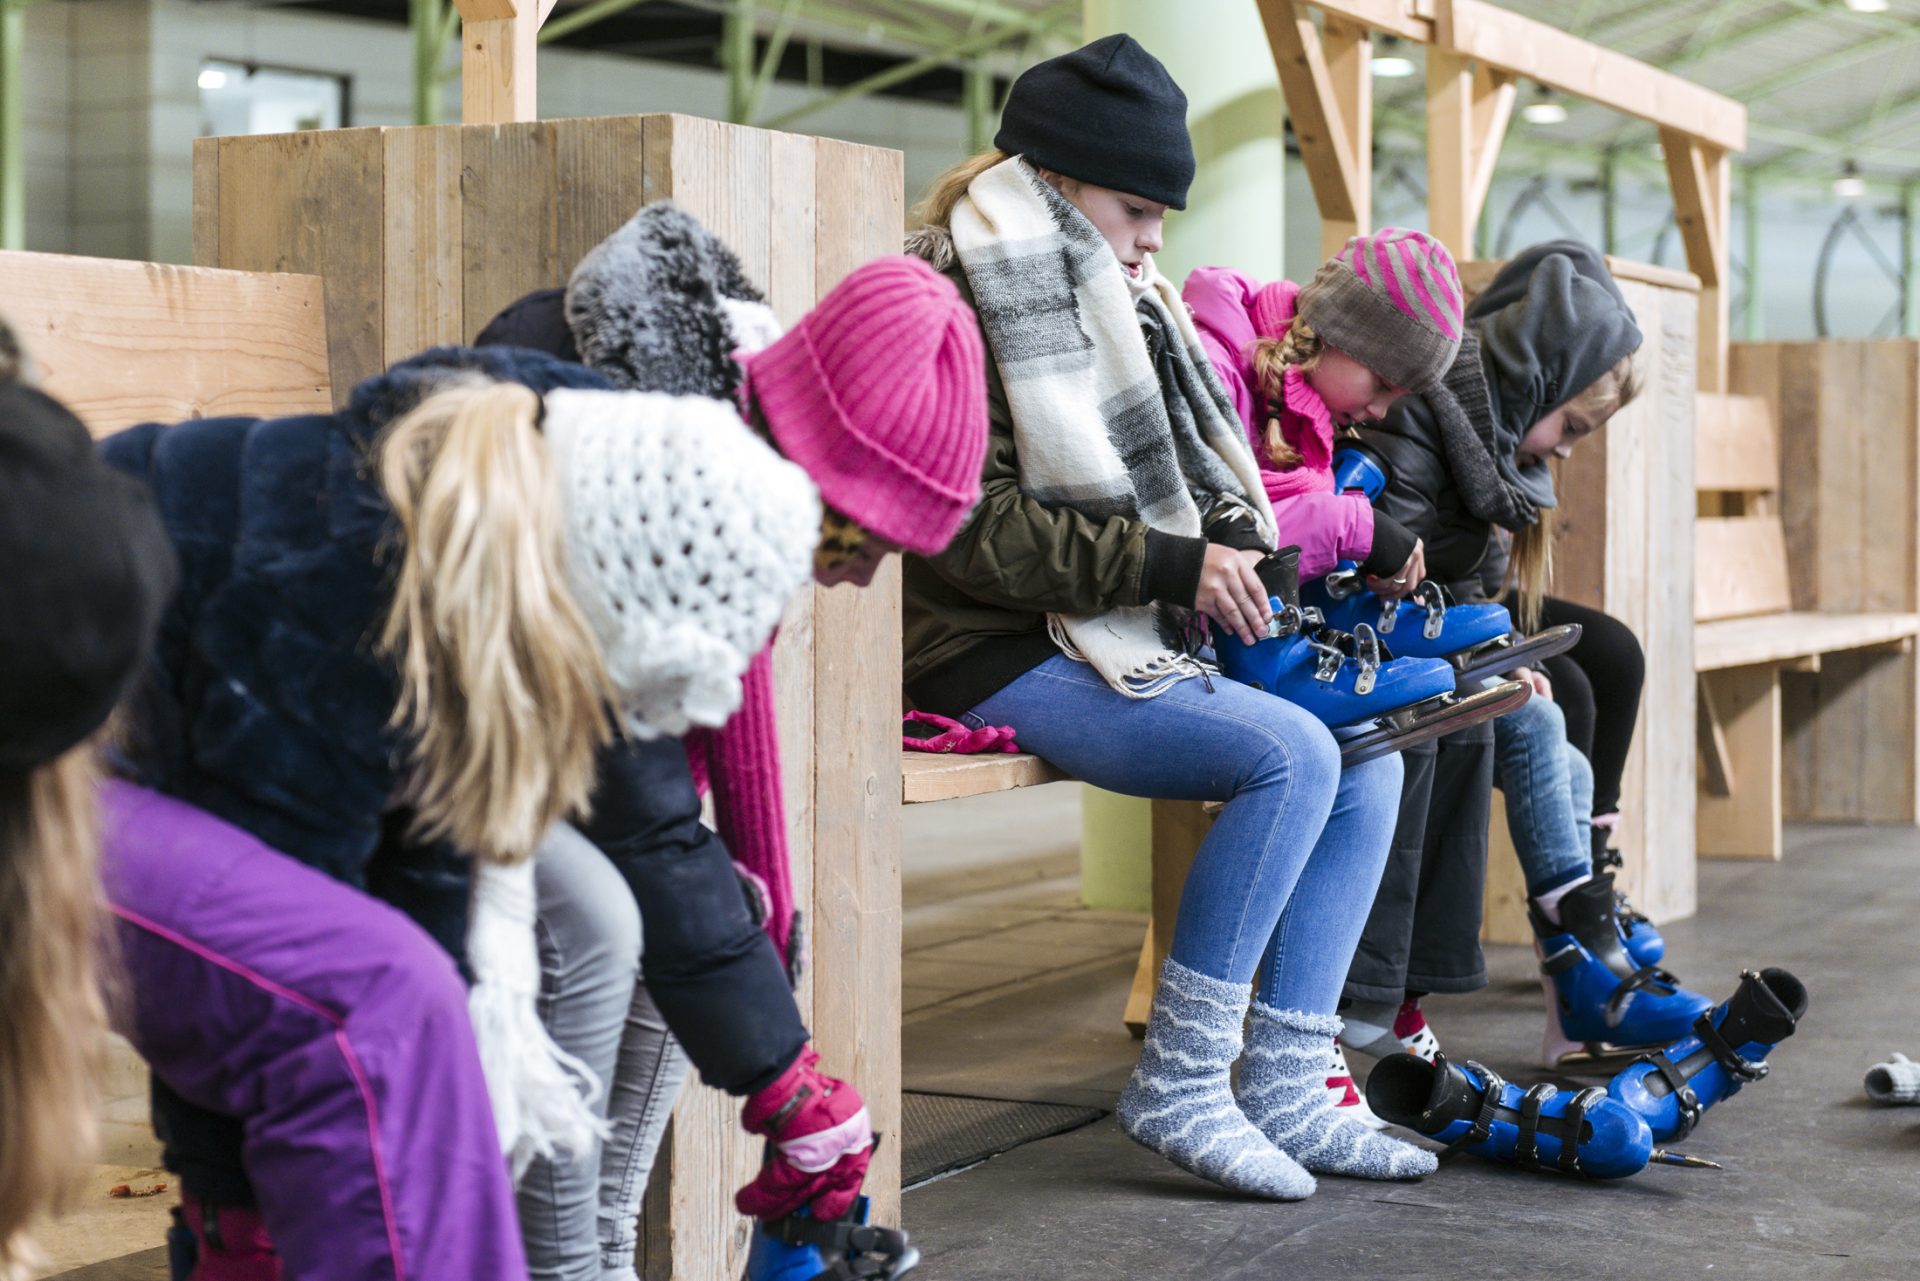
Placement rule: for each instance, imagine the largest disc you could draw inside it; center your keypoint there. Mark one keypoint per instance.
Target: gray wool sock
(1369, 1028)
(1179, 1101)
(1895, 1081)
(1283, 1090)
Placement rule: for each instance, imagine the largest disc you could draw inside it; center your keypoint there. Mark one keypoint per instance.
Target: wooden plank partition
(1848, 414)
(421, 236)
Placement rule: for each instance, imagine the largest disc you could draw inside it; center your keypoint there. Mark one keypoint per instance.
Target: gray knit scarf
(1116, 408)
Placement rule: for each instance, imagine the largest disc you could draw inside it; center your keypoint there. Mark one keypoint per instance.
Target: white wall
(114, 106)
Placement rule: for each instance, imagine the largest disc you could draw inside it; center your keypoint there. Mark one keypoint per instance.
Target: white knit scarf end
(1132, 671)
(543, 1097)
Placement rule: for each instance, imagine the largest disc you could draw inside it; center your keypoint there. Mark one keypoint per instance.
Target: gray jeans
(579, 1217)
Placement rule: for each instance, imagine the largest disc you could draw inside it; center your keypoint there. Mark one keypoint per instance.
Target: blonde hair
(53, 1038)
(504, 690)
(1530, 563)
(1299, 348)
(935, 208)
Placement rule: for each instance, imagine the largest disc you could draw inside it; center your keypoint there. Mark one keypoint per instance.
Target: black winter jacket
(266, 706)
(1547, 327)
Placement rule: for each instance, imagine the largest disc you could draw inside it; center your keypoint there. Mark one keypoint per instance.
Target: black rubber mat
(942, 1132)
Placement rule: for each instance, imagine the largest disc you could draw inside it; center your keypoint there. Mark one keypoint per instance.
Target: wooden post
(1450, 211)
(498, 51)
(1702, 206)
(1178, 829)
(1349, 50)
(1332, 115)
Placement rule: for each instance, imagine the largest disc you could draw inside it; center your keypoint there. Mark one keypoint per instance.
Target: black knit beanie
(88, 568)
(1108, 114)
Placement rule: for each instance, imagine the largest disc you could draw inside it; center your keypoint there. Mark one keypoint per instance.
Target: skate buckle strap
(1435, 598)
(1724, 1054)
(1344, 583)
(1683, 1096)
(1562, 961)
(1570, 1123)
(1482, 1127)
(1527, 1147)
(1286, 621)
(1366, 652)
(1647, 976)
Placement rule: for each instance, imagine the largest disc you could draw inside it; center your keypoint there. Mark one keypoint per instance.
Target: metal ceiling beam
(566, 24)
(1836, 60)
(960, 50)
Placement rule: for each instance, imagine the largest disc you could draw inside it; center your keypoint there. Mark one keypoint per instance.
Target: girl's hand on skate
(1542, 687)
(821, 1143)
(1231, 593)
(1411, 575)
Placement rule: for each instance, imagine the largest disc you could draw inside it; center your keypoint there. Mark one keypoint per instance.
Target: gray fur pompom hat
(662, 305)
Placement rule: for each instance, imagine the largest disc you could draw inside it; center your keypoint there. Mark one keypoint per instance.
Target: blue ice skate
(1471, 1109)
(1726, 1050)
(1351, 679)
(1600, 1001)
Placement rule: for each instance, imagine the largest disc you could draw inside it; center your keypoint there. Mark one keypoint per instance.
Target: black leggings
(1597, 684)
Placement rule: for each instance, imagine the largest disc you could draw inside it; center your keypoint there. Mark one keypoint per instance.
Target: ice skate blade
(1439, 715)
(1496, 659)
(1572, 1056)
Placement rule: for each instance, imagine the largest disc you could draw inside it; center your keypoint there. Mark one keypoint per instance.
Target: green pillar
(13, 163)
(1910, 260)
(1217, 51)
(1753, 315)
(1609, 201)
(977, 99)
(736, 55)
(433, 23)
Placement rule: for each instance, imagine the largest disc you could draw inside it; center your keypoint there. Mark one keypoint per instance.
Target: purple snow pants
(332, 1027)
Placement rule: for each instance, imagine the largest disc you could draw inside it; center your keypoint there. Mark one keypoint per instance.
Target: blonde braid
(1299, 348)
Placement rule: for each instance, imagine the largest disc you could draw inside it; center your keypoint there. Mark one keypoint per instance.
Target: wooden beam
(1703, 208)
(1451, 213)
(499, 47)
(1524, 47)
(1349, 53)
(1716, 758)
(1313, 105)
(1409, 19)
(1494, 92)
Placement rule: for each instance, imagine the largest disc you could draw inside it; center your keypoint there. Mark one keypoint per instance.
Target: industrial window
(240, 98)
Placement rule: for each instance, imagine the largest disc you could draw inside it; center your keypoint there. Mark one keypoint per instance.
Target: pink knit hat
(1392, 301)
(880, 393)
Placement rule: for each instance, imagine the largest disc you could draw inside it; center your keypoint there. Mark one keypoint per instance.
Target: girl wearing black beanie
(88, 568)
(1120, 495)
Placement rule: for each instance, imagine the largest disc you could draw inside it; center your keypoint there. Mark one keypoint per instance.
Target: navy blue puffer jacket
(266, 704)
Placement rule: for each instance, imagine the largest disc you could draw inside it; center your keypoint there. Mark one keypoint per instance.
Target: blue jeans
(1549, 792)
(1282, 884)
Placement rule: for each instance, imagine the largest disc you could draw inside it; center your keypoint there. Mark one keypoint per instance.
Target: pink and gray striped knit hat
(1392, 301)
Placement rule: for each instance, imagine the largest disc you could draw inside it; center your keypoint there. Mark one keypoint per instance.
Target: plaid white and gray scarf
(1106, 421)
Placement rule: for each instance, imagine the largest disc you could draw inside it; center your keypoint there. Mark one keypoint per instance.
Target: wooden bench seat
(1747, 632)
(934, 776)
(1777, 638)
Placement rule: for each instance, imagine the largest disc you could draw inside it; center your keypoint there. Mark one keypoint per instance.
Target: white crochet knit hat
(686, 537)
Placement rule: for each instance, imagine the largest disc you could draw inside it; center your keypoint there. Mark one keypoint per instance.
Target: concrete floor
(1015, 993)
(1819, 1183)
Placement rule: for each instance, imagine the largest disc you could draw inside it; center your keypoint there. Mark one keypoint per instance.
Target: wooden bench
(1747, 632)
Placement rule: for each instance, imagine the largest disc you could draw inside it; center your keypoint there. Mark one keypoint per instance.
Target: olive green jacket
(976, 614)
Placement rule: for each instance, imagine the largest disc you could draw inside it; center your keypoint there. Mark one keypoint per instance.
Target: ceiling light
(1545, 109)
(1390, 63)
(1867, 6)
(1849, 185)
(213, 78)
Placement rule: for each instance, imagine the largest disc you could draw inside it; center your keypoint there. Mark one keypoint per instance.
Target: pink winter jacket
(1232, 311)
